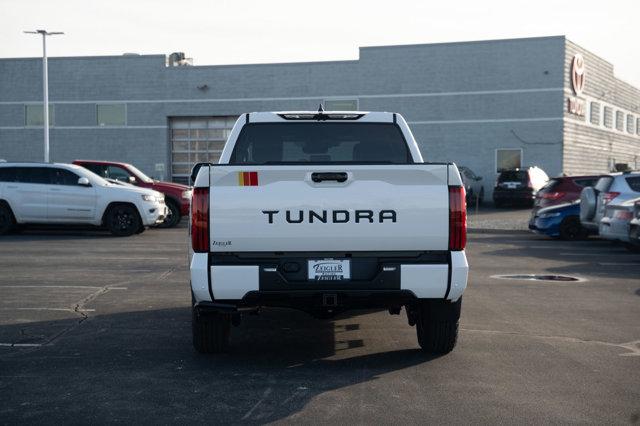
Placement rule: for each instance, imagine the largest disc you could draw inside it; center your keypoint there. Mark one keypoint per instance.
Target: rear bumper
(393, 282)
(614, 229)
(312, 300)
(513, 195)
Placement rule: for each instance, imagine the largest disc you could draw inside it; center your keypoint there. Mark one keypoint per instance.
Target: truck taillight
(457, 218)
(200, 220)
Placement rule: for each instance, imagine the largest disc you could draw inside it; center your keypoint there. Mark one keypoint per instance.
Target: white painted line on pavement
(21, 345)
(59, 286)
(48, 309)
(588, 254)
(555, 247)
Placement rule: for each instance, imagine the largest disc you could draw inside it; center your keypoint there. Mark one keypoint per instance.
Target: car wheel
(437, 325)
(173, 215)
(123, 220)
(571, 229)
(210, 332)
(7, 221)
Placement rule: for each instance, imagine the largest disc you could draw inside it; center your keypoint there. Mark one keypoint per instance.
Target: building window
(341, 105)
(619, 120)
(595, 113)
(638, 126)
(608, 117)
(34, 115)
(630, 122)
(507, 159)
(112, 115)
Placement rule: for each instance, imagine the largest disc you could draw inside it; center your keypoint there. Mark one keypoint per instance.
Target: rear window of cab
(320, 143)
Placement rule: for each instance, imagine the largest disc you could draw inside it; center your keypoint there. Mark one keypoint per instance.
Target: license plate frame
(328, 269)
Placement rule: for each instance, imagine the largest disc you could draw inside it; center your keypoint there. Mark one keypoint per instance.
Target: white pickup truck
(325, 212)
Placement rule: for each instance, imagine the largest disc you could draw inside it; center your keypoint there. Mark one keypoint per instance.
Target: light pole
(45, 87)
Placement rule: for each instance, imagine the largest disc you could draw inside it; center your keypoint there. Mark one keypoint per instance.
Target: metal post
(45, 90)
(45, 87)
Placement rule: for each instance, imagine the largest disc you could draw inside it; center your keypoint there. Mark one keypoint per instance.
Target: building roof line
(449, 43)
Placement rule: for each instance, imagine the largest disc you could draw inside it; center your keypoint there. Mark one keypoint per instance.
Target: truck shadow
(56, 232)
(133, 365)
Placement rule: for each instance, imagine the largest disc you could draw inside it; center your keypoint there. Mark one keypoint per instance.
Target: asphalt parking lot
(96, 329)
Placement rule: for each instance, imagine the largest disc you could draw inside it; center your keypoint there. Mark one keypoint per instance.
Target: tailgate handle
(321, 177)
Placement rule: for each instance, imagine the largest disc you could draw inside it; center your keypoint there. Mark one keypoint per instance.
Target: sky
(236, 32)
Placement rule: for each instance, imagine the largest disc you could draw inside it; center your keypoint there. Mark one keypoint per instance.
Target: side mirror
(478, 178)
(83, 181)
(131, 179)
(195, 170)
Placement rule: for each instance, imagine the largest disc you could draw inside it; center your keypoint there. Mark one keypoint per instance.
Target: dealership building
(487, 105)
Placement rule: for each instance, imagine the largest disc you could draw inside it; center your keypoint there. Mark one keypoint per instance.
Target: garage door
(197, 139)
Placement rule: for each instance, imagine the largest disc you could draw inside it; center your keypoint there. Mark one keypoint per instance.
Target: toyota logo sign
(577, 74)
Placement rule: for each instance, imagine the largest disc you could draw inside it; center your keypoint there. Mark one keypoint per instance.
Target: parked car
(612, 188)
(472, 184)
(634, 229)
(562, 190)
(177, 196)
(34, 193)
(559, 221)
(518, 186)
(615, 223)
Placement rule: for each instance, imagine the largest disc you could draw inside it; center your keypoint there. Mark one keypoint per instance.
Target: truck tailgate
(285, 208)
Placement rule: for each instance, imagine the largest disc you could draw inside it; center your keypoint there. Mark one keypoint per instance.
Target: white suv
(42, 193)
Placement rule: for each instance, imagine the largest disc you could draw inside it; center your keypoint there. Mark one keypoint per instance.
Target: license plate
(329, 269)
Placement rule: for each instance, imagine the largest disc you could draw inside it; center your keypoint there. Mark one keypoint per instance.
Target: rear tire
(7, 220)
(437, 325)
(173, 216)
(123, 220)
(571, 229)
(210, 332)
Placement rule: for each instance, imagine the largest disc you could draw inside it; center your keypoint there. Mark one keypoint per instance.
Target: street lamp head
(44, 32)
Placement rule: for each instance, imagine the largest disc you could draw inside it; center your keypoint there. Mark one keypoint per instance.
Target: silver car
(615, 224)
(613, 189)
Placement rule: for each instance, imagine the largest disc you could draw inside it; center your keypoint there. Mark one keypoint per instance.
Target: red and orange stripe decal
(248, 178)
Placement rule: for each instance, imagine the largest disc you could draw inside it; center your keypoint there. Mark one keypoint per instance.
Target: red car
(177, 196)
(563, 189)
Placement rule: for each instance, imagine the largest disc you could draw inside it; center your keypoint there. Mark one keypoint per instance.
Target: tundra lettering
(337, 216)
